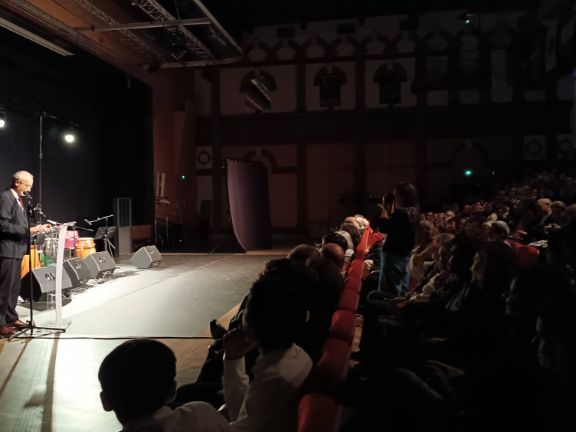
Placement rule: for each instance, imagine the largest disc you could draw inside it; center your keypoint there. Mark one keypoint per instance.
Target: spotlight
(468, 173)
(70, 136)
(2, 119)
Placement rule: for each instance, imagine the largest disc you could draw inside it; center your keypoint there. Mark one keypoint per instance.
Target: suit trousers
(10, 269)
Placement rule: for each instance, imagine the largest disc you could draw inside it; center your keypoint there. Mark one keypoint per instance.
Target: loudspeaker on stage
(99, 264)
(146, 257)
(43, 282)
(77, 271)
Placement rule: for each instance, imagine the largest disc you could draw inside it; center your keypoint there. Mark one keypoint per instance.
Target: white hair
(22, 175)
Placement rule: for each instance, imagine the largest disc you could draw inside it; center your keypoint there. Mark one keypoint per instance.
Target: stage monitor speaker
(77, 271)
(146, 257)
(43, 282)
(100, 264)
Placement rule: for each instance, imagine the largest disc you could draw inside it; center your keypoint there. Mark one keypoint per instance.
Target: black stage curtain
(249, 203)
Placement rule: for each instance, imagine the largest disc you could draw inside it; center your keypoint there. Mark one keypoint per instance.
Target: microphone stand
(76, 227)
(32, 246)
(105, 218)
(108, 246)
(39, 213)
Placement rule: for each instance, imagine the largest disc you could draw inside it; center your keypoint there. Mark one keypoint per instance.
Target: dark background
(113, 153)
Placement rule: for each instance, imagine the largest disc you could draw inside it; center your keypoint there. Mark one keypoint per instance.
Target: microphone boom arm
(90, 222)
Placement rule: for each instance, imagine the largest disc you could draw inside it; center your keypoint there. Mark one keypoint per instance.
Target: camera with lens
(388, 199)
(375, 199)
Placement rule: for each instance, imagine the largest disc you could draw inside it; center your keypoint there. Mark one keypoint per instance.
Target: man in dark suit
(14, 234)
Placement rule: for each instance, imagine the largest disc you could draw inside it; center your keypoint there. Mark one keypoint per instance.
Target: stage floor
(49, 382)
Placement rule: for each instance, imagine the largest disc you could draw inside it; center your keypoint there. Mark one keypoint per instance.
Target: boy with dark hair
(274, 317)
(138, 380)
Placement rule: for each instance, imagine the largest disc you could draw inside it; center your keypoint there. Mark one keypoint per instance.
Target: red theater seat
(343, 326)
(353, 283)
(318, 413)
(355, 270)
(330, 371)
(349, 299)
(527, 256)
(375, 237)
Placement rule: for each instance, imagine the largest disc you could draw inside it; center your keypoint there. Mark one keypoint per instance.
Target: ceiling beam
(20, 31)
(145, 25)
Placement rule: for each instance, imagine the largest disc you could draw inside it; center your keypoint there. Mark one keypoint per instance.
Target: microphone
(51, 222)
(38, 209)
(88, 222)
(27, 196)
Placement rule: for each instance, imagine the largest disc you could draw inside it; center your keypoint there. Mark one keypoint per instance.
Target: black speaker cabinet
(77, 271)
(146, 257)
(43, 282)
(100, 264)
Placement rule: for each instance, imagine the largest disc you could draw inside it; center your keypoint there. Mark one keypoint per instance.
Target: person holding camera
(399, 219)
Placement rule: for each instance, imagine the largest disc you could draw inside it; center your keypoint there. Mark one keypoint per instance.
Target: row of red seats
(319, 409)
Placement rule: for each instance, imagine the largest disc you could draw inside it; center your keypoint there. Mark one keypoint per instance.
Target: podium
(58, 322)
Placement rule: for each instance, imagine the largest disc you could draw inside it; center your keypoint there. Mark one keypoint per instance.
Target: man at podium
(15, 232)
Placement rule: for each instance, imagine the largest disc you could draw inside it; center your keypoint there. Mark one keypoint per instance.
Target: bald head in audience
(302, 252)
(543, 206)
(338, 239)
(333, 253)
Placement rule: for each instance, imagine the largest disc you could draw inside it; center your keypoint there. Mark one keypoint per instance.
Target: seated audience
(274, 315)
(333, 253)
(302, 252)
(138, 381)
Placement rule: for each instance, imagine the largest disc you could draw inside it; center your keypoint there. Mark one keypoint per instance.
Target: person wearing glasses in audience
(14, 239)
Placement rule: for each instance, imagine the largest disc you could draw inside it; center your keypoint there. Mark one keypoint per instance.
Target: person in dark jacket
(14, 234)
(399, 220)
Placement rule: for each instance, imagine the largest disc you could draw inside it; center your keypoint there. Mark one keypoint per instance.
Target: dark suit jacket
(14, 229)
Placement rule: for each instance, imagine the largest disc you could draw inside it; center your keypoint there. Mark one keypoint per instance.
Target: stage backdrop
(249, 203)
(112, 115)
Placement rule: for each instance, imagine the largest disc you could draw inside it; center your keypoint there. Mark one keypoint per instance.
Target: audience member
(138, 381)
(274, 316)
(302, 252)
(399, 220)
